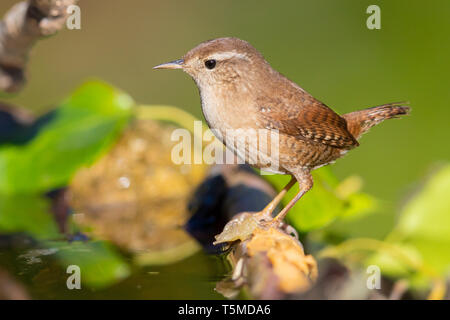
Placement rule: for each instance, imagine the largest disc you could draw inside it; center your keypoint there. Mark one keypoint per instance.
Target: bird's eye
(210, 64)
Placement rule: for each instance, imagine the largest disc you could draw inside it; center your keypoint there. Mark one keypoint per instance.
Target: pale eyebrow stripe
(228, 55)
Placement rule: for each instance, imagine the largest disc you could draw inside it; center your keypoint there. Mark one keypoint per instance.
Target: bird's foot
(243, 225)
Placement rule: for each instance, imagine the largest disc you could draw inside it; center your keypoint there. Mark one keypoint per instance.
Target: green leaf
(76, 134)
(427, 216)
(83, 127)
(399, 260)
(425, 222)
(99, 263)
(27, 213)
(327, 201)
(424, 225)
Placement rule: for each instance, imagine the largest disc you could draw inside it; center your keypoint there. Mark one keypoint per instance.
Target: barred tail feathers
(359, 122)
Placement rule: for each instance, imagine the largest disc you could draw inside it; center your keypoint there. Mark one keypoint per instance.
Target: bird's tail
(359, 122)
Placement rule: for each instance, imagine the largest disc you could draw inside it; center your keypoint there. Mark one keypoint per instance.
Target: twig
(267, 263)
(21, 26)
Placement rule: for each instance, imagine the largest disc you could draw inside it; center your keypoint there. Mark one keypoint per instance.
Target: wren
(239, 89)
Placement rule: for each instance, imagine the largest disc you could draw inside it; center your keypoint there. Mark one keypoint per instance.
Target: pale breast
(236, 127)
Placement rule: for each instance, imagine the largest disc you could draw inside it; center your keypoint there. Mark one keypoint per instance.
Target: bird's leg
(267, 211)
(305, 183)
(243, 225)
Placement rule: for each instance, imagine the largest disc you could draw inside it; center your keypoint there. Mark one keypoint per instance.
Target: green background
(324, 46)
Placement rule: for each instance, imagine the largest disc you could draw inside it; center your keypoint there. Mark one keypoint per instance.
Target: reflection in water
(192, 278)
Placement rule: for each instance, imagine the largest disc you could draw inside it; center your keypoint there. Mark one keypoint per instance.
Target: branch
(21, 26)
(267, 263)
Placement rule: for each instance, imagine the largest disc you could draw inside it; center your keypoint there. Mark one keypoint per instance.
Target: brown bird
(240, 90)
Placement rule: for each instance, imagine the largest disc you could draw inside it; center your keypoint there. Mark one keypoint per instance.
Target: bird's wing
(306, 118)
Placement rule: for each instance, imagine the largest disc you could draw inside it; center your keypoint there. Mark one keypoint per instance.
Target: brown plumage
(359, 122)
(240, 90)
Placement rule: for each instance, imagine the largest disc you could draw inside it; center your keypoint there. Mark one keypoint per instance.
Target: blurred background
(322, 45)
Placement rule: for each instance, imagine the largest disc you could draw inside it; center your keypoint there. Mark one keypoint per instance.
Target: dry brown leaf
(295, 270)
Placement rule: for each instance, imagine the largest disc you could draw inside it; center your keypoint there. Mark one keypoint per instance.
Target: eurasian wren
(240, 90)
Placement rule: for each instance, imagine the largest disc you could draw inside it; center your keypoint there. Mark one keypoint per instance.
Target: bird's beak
(176, 64)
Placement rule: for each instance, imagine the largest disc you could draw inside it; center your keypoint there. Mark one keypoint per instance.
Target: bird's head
(221, 62)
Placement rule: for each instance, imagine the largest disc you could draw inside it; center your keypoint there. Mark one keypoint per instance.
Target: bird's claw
(242, 227)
